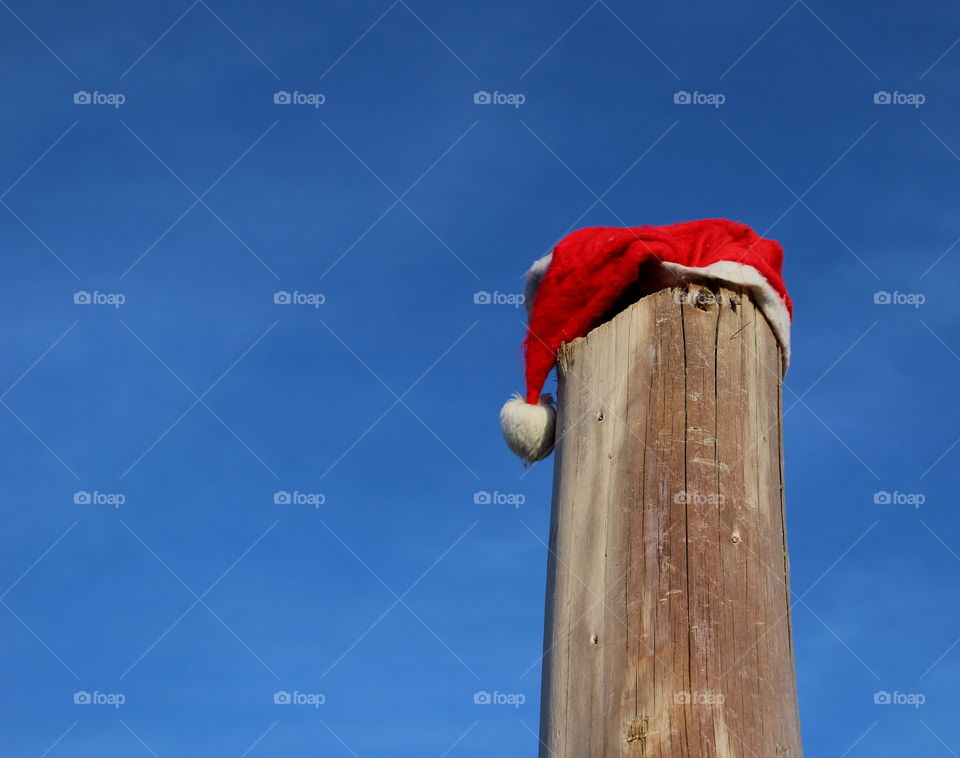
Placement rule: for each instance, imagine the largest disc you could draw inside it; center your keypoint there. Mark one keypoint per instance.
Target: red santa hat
(593, 271)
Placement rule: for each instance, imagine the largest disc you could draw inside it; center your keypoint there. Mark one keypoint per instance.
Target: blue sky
(386, 198)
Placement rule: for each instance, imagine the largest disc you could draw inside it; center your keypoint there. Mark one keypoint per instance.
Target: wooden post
(668, 608)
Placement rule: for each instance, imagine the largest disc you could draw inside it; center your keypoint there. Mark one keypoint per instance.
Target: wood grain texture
(668, 616)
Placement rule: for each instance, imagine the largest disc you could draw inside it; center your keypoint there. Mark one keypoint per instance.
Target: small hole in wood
(637, 729)
(594, 639)
(599, 415)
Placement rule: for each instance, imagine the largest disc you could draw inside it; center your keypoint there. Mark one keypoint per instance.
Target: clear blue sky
(396, 198)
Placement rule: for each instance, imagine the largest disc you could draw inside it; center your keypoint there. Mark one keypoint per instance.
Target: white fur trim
(534, 277)
(529, 429)
(764, 295)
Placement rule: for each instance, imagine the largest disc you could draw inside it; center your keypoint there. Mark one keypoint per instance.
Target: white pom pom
(529, 429)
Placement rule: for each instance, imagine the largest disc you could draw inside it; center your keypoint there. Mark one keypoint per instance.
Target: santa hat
(593, 271)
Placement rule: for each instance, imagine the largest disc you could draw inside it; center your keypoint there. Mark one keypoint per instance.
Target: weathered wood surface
(668, 617)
